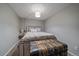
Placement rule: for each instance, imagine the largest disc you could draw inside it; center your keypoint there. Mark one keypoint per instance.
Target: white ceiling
(27, 10)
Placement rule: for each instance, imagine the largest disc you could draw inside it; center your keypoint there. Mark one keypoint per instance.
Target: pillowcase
(35, 30)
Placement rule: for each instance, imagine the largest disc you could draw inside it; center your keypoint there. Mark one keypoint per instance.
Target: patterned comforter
(48, 47)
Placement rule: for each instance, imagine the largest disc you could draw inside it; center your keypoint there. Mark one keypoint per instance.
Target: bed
(35, 43)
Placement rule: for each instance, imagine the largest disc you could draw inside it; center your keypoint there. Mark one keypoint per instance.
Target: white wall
(28, 22)
(65, 25)
(9, 27)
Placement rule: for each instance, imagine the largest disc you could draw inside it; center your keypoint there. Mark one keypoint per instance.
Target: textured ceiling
(27, 10)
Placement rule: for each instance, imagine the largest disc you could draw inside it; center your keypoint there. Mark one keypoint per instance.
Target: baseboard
(72, 54)
(12, 49)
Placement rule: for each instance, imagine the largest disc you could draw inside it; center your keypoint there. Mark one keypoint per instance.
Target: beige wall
(65, 25)
(9, 27)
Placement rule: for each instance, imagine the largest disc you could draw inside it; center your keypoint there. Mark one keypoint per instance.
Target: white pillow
(39, 29)
(35, 29)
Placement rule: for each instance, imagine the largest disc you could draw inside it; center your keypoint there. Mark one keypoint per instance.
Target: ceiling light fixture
(37, 14)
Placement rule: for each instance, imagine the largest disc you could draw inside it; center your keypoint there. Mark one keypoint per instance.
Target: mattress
(37, 35)
(48, 48)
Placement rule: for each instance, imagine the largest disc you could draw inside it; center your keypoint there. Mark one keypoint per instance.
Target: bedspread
(48, 47)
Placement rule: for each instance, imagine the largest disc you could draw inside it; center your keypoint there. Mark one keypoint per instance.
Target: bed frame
(24, 46)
